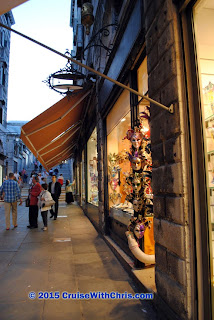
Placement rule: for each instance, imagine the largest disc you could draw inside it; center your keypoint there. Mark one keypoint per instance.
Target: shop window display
(118, 164)
(140, 232)
(204, 25)
(92, 169)
(118, 120)
(129, 173)
(141, 197)
(83, 180)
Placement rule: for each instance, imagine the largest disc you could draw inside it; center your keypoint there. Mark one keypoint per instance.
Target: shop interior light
(145, 129)
(122, 120)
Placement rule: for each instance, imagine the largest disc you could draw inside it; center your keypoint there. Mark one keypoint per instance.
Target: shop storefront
(118, 122)
(179, 50)
(198, 25)
(89, 178)
(129, 168)
(83, 180)
(92, 174)
(204, 26)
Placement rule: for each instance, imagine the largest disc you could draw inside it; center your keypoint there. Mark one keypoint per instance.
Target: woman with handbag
(69, 192)
(45, 200)
(34, 192)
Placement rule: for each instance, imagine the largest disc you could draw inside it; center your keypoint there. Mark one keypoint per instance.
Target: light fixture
(87, 18)
(122, 120)
(66, 80)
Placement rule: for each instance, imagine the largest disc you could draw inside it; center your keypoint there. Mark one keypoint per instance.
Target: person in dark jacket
(33, 208)
(55, 189)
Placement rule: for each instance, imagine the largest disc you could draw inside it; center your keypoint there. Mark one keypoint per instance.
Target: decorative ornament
(139, 230)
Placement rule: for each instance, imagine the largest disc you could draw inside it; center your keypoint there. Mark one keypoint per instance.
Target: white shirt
(16, 175)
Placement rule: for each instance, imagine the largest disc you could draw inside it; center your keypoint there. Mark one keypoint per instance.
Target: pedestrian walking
(61, 179)
(11, 192)
(44, 196)
(34, 192)
(40, 177)
(31, 180)
(69, 192)
(16, 175)
(55, 189)
(25, 177)
(21, 184)
(45, 175)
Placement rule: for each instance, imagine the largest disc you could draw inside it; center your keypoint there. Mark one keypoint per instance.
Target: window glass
(142, 78)
(83, 178)
(92, 169)
(118, 122)
(118, 168)
(203, 15)
(78, 180)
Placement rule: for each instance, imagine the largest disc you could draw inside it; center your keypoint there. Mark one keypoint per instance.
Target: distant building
(18, 155)
(6, 19)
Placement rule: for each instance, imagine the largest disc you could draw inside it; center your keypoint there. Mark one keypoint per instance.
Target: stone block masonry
(169, 168)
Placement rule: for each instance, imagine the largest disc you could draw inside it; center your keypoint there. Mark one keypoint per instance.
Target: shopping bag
(27, 202)
(48, 203)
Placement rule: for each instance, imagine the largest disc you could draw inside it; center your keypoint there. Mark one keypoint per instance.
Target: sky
(47, 21)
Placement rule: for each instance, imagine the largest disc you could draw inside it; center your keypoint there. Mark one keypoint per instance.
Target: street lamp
(66, 80)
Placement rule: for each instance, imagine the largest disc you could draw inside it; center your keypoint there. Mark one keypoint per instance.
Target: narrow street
(70, 257)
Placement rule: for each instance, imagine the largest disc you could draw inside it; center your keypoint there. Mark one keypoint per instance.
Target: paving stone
(80, 261)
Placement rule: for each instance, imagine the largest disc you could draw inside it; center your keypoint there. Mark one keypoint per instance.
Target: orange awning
(7, 5)
(52, 135)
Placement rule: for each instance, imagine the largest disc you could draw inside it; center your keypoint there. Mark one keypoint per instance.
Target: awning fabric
(52, 135)
(7, 5)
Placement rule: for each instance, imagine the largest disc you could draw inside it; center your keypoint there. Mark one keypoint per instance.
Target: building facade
(164, 50)
(8, 20)
(18, 155)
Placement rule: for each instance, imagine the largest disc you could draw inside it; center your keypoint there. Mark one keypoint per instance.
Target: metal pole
(170, 109)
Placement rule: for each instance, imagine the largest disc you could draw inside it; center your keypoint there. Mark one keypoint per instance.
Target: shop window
(92, 169)
(142, 80)
(118, 122)
(1, 147)
(203, 14)
(83, 178)
(16, 150)
(78, 180)
(129, 174)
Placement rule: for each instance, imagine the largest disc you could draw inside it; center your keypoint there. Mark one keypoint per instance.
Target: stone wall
(170, 174)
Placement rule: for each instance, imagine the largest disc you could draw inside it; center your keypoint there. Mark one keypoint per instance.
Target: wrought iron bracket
(96, 40)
